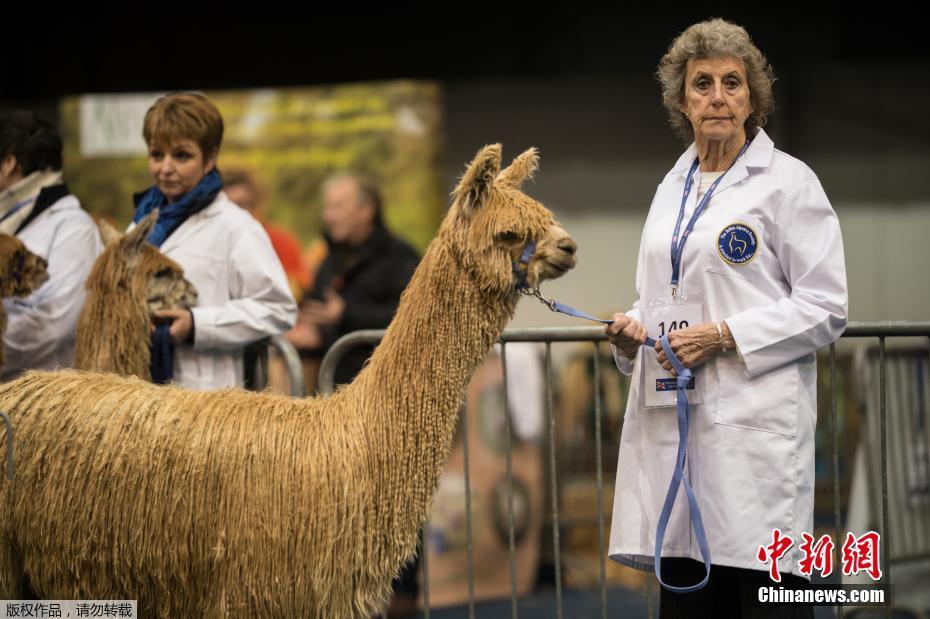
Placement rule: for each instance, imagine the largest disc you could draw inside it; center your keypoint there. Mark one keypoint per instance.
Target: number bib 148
(663, 316)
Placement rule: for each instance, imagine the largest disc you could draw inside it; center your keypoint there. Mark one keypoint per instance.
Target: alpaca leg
(13, 582)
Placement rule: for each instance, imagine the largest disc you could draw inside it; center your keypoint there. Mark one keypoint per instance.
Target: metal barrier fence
(914, 541)
(256, 360)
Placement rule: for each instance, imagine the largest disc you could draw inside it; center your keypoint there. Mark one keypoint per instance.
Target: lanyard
(679, 245)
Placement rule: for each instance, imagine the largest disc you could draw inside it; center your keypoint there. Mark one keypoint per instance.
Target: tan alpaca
(231, 503)
(21, 272)
(130, 280)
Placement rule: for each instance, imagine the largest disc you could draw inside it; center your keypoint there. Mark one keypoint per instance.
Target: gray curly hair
(707, 39)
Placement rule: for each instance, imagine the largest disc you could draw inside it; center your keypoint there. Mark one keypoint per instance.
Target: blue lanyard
(679, 245)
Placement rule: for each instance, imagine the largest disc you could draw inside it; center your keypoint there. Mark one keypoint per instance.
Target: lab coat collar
(758, 155)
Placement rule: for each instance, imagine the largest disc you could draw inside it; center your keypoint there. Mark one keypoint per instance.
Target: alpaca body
(230, 503)
(255, 482)
(237, 491)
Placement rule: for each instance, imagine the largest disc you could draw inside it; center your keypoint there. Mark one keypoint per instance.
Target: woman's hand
(182, 323)
(695, 345)
(626, 334)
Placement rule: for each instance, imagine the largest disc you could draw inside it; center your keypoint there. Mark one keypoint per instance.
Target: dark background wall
(852, 101)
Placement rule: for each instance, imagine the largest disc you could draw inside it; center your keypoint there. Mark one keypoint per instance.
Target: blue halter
(521, 267)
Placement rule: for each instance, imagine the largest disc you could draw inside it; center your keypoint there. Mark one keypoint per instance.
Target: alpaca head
(21, 271)
(491, 223)
(130, 264)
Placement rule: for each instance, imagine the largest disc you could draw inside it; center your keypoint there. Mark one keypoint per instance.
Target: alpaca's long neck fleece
(412, 391)
(113, 333)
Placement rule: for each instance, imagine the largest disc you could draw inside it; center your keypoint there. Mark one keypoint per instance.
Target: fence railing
(913, 423)
(256, 360)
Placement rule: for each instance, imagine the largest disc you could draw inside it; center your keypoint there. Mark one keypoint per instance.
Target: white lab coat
(42, 328)
(751, 444)
(243, 294)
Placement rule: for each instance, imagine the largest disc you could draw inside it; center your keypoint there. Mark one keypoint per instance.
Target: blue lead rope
(568, 310)
(678, 478)
(162, 355)
(684, 411)
(571, 311)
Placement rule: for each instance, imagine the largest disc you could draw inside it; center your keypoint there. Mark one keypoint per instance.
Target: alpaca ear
(135, 237)
(522, 168)
(108, 234)
(473, 190)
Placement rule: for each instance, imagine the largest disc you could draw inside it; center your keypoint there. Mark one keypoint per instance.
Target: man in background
(358, 284)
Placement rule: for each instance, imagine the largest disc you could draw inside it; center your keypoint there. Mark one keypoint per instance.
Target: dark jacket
(370, 278)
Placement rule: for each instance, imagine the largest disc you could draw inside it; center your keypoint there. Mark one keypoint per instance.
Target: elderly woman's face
(178, 167)
(717, 98)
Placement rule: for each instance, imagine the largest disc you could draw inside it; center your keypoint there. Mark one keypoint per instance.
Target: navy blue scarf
(162, 365)
(171, 216)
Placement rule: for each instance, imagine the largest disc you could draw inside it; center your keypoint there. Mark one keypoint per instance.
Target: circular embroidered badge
(737, 244)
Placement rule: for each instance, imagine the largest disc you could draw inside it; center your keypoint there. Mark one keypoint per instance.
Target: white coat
(751, 444)
(42, 328)
(243, 293)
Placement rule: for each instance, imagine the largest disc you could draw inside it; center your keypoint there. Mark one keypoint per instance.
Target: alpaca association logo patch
(737, 244)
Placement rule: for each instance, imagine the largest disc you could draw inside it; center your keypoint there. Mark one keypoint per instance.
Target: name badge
(663, 316)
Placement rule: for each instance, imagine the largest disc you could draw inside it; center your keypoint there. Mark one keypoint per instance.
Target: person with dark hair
(37, 207)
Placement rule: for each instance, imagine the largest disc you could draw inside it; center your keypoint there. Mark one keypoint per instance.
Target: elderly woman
(243, 294)
(741, 265)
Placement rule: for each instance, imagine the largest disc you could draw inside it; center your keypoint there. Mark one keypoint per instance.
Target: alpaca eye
(166, 272)
(507, 237)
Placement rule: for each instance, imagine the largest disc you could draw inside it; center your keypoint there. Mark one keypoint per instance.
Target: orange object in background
(312, 258)
(289, 253)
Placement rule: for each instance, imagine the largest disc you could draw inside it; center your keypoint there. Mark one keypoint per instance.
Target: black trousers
(731, 592)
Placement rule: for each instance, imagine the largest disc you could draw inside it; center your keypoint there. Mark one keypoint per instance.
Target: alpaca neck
(113, 334)
(412, 391)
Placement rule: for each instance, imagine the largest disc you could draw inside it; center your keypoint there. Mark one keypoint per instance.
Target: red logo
(817, 556)
(779, 546)
(861, 555)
